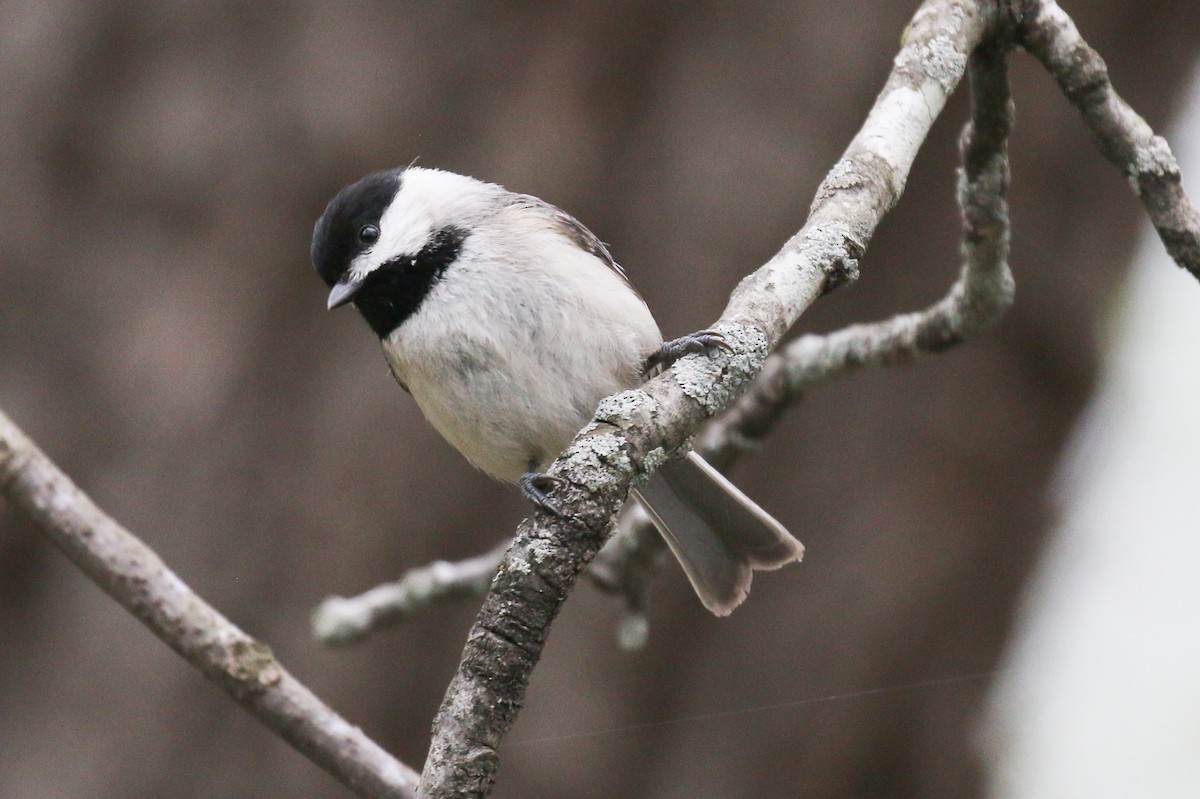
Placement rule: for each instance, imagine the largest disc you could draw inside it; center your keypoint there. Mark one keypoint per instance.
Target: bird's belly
(487, 418)
(507, 415)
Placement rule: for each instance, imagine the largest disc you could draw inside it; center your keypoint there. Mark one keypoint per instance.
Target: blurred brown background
(162, 336)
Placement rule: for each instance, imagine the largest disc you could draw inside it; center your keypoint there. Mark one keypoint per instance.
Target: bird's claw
(534, 486)
(693, 343)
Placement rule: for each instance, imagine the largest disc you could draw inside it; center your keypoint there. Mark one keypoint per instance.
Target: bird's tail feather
(718, 534)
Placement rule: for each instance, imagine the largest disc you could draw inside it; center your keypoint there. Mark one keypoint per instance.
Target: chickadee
(508, 321)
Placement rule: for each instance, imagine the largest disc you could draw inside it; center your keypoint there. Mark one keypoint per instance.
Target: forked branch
(635, 430)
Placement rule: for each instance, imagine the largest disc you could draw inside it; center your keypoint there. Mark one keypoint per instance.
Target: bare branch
(635, 430)
(623, 566)
(341, 620)
(131, 573)
(980, 296)
(1122, 135)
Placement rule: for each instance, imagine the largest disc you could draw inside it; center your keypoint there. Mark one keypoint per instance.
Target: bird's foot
(671, 351)
(534, 486)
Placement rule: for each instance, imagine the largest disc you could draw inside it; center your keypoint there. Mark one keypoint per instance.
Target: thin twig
(1120, 133)
(624, 566)
(131, 573)
(343, 620)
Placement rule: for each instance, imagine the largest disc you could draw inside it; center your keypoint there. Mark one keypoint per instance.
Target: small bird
(508, 321)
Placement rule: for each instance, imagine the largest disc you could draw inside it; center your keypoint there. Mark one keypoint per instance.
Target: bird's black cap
(336, 240)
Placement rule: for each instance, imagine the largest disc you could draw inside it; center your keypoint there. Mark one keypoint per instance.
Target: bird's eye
(368, 234)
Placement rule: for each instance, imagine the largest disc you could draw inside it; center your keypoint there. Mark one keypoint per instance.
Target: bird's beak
(343, 291)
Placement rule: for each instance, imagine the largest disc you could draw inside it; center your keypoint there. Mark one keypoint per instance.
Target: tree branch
(634, 431)
(624, 566)
(344, 620)
(980, 296)
(131, 573)
(1120, 133)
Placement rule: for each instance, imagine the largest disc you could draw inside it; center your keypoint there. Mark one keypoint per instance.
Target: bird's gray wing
(574, 231)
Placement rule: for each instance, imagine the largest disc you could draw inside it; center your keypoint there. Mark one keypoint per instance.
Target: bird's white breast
(514, 346)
